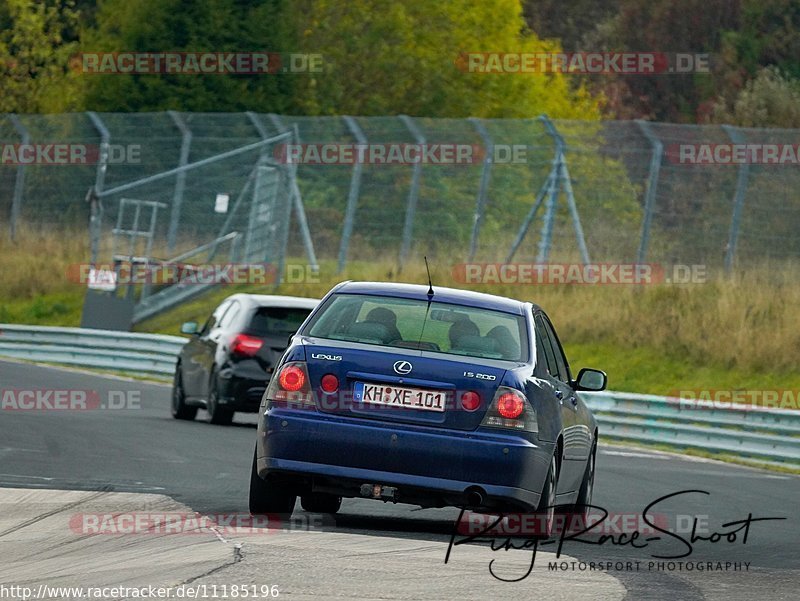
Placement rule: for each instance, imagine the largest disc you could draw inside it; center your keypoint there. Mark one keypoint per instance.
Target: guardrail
(761, 435)
(102, 349)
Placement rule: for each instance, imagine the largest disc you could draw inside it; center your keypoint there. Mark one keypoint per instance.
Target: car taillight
(510, 405)
(246, 346)
(292, 378)
(470, 400)
(329, 383)
(290, 385)
(511, 409)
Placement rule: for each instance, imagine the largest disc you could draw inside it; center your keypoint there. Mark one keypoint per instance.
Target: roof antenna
(430, 284)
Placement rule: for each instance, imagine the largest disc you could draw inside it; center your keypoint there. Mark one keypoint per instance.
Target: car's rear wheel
(576, 516)
(269, 497)
(180, 410)
(221, 416)
(545, 513)
(321, 503)
(587, 488)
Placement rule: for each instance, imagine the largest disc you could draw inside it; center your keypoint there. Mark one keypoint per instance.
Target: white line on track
(755, 472)
(88, 372)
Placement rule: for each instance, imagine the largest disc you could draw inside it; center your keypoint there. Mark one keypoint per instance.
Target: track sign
(221, 203)
(102, 279)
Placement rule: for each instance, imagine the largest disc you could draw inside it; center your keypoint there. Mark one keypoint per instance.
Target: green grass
(651, 372)
(56, 309)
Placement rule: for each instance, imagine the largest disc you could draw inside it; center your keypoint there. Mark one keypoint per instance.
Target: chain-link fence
(397, 187)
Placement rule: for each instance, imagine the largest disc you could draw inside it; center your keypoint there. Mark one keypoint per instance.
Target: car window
(544, 345)
(230, 314)
(215, 317)
(448, 328)
(560, 357)
(276, 321)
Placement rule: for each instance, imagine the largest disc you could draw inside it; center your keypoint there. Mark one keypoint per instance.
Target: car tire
(545, 513)
(218, 415)
(576, 516)
(321, 503)
(268, 497)
(584, 499)
(180, 410)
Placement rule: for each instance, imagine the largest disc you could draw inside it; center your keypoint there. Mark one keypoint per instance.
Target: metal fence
(534, 189)
(100, 349)
(760, 435)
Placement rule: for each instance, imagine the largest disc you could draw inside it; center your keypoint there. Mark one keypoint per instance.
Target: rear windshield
(397, 322)
(276, 321)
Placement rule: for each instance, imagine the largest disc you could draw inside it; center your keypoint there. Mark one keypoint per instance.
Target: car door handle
(559, 394)
(574, 400)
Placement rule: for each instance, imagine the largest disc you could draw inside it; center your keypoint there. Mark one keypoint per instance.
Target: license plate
(402, 397)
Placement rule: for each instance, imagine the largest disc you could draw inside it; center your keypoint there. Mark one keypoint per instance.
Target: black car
(226, 365)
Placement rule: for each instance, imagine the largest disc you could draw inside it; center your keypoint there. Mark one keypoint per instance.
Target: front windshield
(400, 322)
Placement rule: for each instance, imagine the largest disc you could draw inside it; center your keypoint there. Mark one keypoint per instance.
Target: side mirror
(190, 327)
(592, 380)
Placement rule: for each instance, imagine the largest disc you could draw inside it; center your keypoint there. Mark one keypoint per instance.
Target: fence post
(180, 179)
(232, 211)
(297, 200)
(573, 209)
(526, 224)
(564, 177)
(279, 125)
(486, 172)
(552, 199)
(105, 140)
(413, 192)
(96, 219)
(259, 127)
(737, 137)
(352, 195)
(652, 186)
(19, 183)
(550, 181)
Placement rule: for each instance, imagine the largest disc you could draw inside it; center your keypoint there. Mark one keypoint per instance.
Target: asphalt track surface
(142, 449)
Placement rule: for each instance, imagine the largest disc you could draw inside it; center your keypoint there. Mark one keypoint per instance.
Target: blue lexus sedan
(430, 396)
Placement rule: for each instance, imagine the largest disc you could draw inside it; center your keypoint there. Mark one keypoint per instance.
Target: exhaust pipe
(474, 497)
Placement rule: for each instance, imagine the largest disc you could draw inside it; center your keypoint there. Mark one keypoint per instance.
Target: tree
(567, 22)
(35, 47)
(188, 26)
(771, 99)
(677, 26)
(403, 57)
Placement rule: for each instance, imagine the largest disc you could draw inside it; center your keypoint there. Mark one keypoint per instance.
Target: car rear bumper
(241, 388)
(427, 466)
